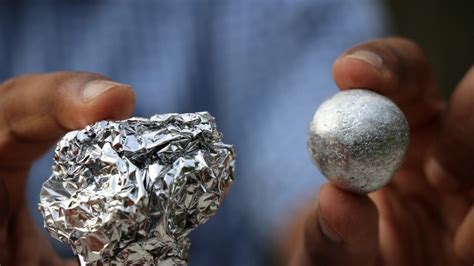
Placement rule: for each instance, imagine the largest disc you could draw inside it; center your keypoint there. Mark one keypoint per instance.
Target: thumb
(35, 110)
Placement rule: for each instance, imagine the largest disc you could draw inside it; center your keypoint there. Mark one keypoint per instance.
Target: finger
(408, 233)
(396, 68)
(35, 110)
(343, 230)
(71, 262)
(464, 241)
(450, 165)
(29, 246)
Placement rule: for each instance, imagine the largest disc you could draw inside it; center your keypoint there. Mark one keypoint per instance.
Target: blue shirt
(260, 67)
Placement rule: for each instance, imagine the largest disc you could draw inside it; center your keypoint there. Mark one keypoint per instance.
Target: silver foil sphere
(358, 139)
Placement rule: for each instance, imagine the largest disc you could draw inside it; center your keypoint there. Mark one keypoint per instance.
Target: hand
(35, 111)
(425, 215)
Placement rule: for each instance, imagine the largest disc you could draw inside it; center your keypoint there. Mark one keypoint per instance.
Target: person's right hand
(425, 215)
(35, 111)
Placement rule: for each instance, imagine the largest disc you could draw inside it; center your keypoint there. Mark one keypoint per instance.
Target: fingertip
(354, 217)
(362, 69)
(97, 100)
(115, 103)
(343, 230)
(396, 68)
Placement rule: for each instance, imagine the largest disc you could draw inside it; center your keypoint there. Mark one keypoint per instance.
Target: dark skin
(29, 126)
(425, 216)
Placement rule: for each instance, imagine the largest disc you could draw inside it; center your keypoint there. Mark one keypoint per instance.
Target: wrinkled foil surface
(358, 139)
(130, 192)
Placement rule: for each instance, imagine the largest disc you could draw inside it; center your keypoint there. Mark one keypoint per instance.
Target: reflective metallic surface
(358, 140)
(129, 192)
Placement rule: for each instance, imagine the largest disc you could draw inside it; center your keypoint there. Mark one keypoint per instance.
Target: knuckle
(407, 51)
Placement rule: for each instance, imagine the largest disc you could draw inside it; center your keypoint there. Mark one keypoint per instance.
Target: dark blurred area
(444, 29)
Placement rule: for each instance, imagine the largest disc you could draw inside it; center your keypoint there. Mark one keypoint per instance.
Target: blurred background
(445, 29)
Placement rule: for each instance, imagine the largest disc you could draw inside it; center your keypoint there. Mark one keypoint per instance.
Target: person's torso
(260, 67)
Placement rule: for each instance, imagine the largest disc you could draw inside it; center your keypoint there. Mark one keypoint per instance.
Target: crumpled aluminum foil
(358, 139)
(130, 192)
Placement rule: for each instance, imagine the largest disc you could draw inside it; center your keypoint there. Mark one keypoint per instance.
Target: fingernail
(368, 57)
(439, 177)
(95, 88)
(329, 233)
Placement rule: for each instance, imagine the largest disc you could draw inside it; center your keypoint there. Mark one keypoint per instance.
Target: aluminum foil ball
(358, 140)
(129, 192)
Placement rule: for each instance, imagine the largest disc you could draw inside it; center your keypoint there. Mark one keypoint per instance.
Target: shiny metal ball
(358, 140)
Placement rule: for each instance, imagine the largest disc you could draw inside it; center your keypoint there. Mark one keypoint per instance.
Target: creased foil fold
(130, 192)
